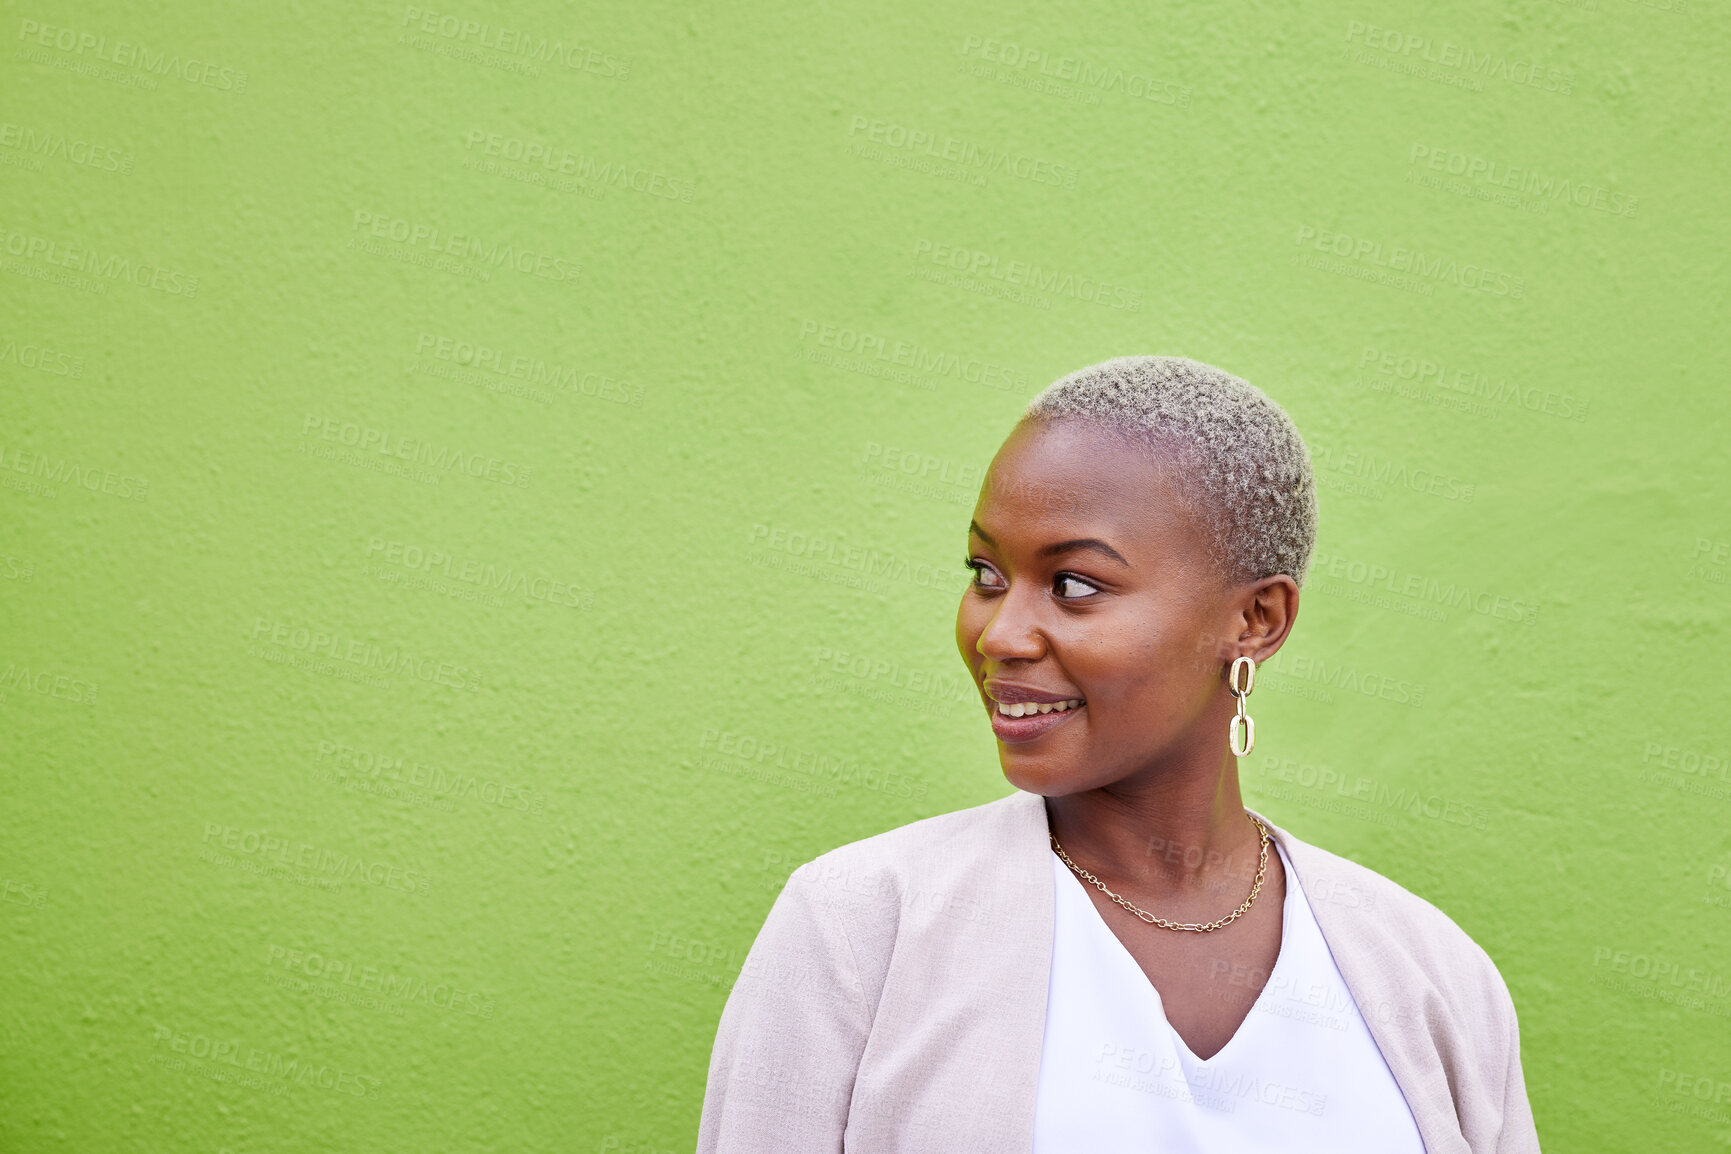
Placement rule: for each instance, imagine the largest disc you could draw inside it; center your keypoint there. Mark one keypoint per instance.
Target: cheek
(1135, 660)
(1123, 644)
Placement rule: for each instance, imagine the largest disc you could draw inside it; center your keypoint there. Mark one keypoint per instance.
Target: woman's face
(1092, 584)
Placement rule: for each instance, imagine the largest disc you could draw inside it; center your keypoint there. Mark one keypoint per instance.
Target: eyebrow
(1056, 548)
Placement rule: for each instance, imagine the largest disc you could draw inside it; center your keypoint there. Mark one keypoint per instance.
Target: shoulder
(921, 932)
(949, 853)
(1379, 923)
(945, 842)
(955, 876)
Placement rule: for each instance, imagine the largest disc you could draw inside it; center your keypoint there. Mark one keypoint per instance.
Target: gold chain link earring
(1248, 728)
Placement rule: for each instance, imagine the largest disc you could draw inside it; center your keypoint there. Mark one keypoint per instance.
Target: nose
(1013, 633)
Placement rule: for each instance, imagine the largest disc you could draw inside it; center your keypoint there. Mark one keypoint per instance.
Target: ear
(1267, 610)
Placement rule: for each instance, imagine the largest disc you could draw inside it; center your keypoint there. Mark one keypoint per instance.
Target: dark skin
(1140, 783)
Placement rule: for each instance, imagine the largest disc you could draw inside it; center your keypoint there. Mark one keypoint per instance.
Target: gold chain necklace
(1191, 927)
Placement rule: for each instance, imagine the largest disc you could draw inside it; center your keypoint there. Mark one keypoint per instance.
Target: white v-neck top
(1302, 1074)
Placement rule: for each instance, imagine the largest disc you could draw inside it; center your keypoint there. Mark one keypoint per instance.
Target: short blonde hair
(1250, 474)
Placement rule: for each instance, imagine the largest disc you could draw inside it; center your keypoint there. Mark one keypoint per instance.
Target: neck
(1165, 830)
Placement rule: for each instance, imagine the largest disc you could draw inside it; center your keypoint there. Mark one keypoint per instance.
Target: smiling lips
(1022, 720)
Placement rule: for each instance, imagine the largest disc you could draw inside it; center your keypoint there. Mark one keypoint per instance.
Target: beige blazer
(895, 999)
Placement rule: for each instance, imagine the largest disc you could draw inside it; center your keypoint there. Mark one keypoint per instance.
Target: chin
(1038, 775)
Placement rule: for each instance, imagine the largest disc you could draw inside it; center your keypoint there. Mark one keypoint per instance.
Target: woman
(1119, 956)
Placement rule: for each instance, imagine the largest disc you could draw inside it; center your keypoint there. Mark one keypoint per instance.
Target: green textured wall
(482, 495)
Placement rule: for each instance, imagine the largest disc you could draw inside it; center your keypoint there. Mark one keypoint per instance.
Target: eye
(1070, 587)
(985, 577)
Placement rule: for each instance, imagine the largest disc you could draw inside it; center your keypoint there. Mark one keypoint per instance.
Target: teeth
(1029, 708)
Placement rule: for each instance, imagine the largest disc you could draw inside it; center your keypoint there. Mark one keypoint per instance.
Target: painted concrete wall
(482, 495)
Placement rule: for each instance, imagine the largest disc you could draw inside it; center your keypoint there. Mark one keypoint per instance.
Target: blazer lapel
(1023, 953)
(1369, 959)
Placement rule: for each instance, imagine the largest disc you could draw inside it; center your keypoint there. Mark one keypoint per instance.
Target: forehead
(1056, 480)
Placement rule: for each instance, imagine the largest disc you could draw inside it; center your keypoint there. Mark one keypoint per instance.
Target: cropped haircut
(1247, 472)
